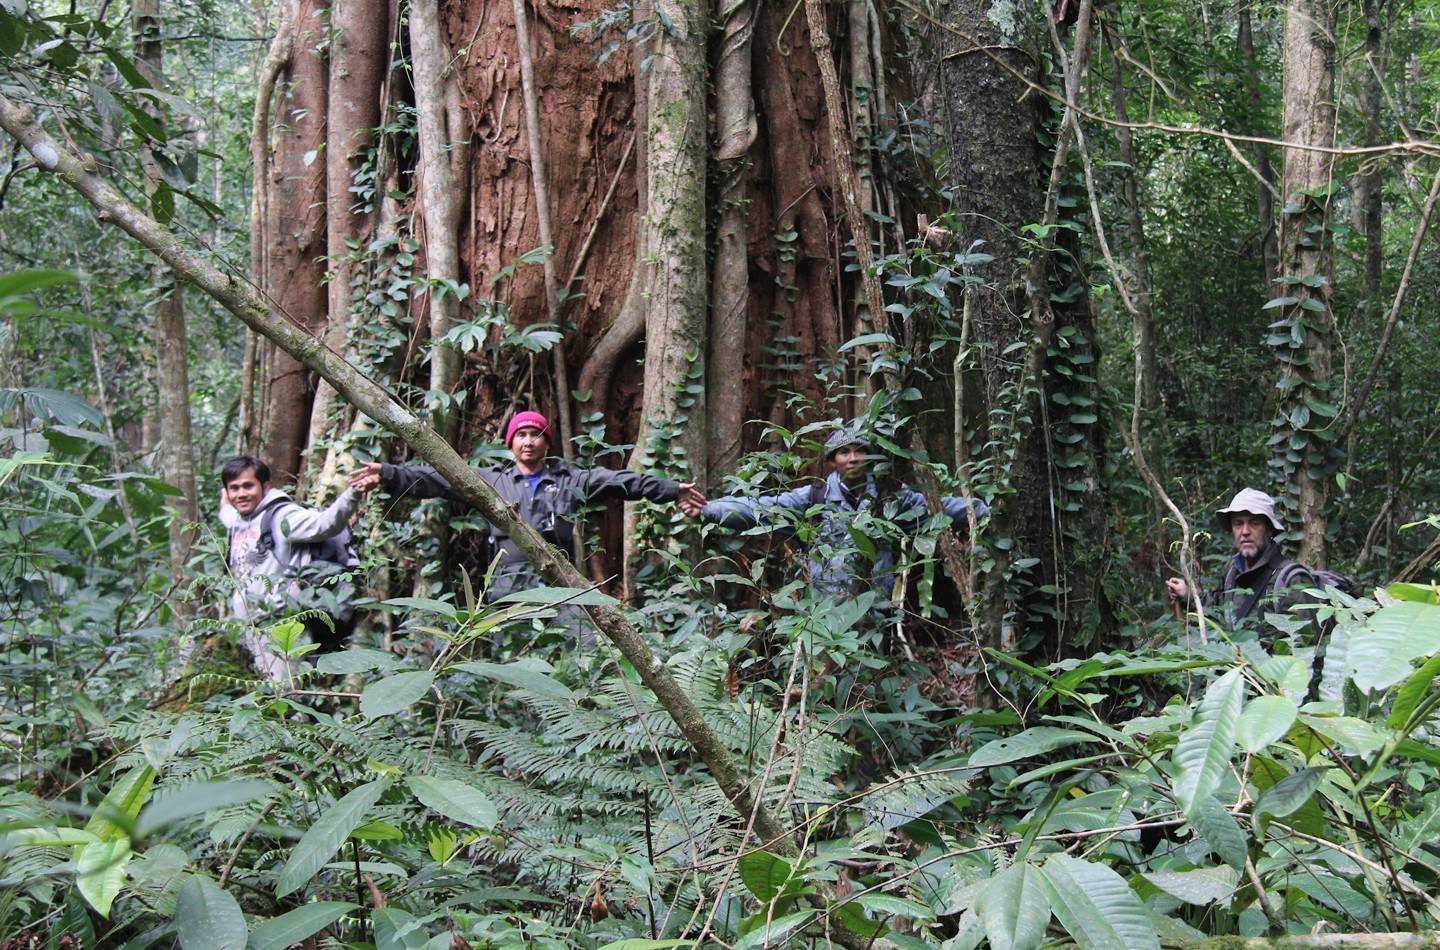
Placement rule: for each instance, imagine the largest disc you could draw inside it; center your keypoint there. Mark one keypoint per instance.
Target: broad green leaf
(1381, 651)
(888, 905)
(1265, 720)
(397, 930)
(852, 915)
(115, 816)
(641, 943)
(208, 918)
(25, 281)
(767, 876)
(54, 405)
(1200, 887)
(48, 837)
(867, 339)
(455, 800)
(773, 933)
(1290, 673)
(377, 831)
(345, 662)
(1419, 593)
(526, 673)
(1355, 735)
(552, 596)
(1203, 753)
(1220, 831)
(293, 927)
(1422, 830)
(100, 872)
(423, 605)
(1028, 744)
(395, 692)
(1286, 796)
(167, 809)
(1332, 891)
(1015, 908)
(326, 836)
(1411, 692)
(1096, 907)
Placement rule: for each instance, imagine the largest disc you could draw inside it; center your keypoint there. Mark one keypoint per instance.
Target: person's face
(529, 445)
(245, 492)
(1251, 533)
(850, 461)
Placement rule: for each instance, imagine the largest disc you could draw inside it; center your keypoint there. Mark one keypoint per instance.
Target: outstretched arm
(416, 481)
(308, 524)
(690, 501)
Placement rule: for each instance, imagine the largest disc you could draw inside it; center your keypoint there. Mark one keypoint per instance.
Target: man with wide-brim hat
(1260, 579)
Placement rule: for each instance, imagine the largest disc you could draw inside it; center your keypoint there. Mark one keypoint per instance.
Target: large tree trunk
(177, 458)
(1305, 438)
(1021, 381)
(993, 128)
(295, 236)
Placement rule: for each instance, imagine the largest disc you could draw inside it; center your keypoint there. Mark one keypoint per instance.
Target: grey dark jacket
(1248, 594)
(559, 495)
(833, 561)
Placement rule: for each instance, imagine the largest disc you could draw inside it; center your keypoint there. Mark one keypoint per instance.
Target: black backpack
(1323, 579)
(324, 595)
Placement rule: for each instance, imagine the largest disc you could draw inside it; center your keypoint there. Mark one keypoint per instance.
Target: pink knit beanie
(527, 419)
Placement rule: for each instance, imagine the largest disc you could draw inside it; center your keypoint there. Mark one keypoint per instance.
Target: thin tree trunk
(1265, 187)
(177, 458)
(1308, 127)
(870, 317)
(673, 430)
(736, 128)
(1142, 318)
(444, 156)
(358, 56)
(295, 238)
(540, 181)
(248, 434)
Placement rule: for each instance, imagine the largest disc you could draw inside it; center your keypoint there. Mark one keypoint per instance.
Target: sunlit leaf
(100, 872)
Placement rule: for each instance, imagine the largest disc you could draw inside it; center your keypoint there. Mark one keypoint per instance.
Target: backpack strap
(266, 542)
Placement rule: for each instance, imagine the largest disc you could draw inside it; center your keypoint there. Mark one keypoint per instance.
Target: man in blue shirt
(834, 563)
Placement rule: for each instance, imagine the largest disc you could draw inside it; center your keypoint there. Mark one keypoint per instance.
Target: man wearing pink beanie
(546, 492)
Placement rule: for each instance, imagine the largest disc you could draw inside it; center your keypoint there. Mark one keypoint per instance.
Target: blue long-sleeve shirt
(833, 561)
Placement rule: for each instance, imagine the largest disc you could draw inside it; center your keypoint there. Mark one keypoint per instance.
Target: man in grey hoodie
(262, 566)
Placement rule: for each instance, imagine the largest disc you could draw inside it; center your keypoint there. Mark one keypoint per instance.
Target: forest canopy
(1081, 271)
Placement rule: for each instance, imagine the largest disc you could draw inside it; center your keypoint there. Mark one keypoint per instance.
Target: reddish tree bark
(295, 236)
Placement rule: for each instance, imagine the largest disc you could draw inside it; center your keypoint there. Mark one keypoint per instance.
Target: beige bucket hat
(1251, 501)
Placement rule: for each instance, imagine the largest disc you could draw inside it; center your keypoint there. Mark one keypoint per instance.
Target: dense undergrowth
(423, 787)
